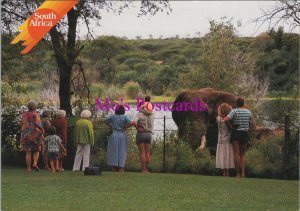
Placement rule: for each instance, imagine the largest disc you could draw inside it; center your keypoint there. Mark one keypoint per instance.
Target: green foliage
(10, 150)
(110, 91)
(184, 158)
(132, 89)
(279, 58)
(277, 109)
(10, 128)
(159, 65)
(265, 158)
(221, 58)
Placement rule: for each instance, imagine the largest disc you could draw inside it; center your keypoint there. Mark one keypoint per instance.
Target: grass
(136, 191)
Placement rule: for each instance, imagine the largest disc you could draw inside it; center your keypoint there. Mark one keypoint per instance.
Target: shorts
(53, 155)
(143, 138)
(239, 135)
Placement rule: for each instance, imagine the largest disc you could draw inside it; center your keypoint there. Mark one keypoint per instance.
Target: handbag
(92, 170)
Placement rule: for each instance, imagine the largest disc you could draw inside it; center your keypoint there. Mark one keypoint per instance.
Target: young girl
(224, 157)
(54, 143)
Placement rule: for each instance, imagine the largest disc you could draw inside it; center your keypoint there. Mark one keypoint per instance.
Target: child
(224, 157)
(54, 143)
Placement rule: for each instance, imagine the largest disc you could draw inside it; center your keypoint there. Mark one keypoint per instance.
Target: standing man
(240, 118)
(144, 124)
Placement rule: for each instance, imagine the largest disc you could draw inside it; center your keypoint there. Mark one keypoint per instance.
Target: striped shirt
(240, 117)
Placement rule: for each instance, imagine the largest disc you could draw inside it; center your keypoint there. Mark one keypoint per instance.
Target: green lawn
(136, 191)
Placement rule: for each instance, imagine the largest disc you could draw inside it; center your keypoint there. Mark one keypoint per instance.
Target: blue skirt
(117, 149)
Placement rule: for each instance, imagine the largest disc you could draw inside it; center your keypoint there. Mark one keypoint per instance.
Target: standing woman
(61, 126)
(31, 135)
(145, 123)
(117, 142)
(84, 137)
(224, 154)
(46, 116)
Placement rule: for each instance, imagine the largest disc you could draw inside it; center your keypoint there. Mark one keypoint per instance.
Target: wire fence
(166, 135)
(166, 130)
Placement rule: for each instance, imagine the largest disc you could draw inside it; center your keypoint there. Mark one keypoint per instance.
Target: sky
(187, 19)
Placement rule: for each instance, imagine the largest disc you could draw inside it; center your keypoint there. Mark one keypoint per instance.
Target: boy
(54, 143)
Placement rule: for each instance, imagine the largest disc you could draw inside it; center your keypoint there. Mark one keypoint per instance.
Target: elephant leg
(202, 142)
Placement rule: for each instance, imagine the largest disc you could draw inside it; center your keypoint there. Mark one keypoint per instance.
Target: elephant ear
(209, 105)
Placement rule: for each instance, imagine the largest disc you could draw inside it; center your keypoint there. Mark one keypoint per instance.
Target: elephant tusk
(203, 142)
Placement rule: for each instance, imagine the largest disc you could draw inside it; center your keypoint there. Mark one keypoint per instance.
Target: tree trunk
(64, 88)
(65, 55)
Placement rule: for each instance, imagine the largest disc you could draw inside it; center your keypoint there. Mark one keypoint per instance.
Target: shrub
(98, 158)
(184, 158)
(156, 164)
(265, 160)
(204, 166)
(114, 92)
(132, 89)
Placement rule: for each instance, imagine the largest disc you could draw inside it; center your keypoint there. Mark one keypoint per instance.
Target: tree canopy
(63, 36)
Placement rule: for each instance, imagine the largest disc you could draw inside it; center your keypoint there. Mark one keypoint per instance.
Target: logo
(41, 22)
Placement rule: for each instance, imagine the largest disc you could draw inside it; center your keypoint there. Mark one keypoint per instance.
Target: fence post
(287, 142)
(164, 152)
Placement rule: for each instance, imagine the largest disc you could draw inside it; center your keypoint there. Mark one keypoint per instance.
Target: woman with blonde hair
(84, 137)
(224, 155)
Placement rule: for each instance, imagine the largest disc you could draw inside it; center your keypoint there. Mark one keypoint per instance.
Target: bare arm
(132, 123)
(226, 119)
(63, 148)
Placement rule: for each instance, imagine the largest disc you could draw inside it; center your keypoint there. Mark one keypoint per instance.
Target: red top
(61, 128)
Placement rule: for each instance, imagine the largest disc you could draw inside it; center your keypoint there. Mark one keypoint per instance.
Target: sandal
(36, 167)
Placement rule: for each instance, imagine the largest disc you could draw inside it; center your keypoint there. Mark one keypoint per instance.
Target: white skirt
(224, 156)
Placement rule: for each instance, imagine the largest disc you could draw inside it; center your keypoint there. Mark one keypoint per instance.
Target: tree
(221, 61)
(63, 36)
(284, 10)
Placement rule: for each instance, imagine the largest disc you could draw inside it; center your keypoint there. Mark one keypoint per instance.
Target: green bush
(132, 89)
(184, 158)
(265, 159)
(204, 166)
(98, 158)
(156, 164)
(10, 152)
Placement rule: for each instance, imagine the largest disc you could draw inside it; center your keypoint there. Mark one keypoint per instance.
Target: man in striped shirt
(240, 119)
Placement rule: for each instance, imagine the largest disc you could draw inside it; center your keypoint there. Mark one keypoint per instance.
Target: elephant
(196, 127)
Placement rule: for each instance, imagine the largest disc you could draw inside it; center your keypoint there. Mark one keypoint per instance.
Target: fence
(166, 141)
(167, 148)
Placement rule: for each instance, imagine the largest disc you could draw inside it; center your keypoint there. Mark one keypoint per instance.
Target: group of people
(233, 127)
(233, 136)
(118, 141)
(50, 137)
(42, 134)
